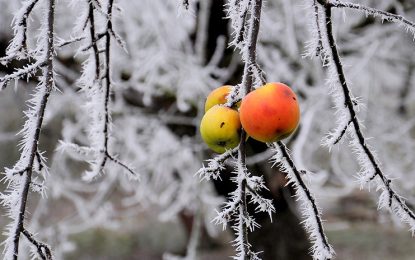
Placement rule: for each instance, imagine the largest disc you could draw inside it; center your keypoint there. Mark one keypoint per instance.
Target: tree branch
(401, 209)
(386, 16)
(247, 84)
(19, 189)
(42, 249)
(311, 213)
(18, 47)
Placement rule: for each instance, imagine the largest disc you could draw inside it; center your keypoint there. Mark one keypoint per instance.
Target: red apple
(270, 113)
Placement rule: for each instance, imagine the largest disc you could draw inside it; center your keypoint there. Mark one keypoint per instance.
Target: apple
(218, 97)
(270, 113)
(220, 128)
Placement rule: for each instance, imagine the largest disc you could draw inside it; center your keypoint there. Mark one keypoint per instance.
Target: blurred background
(174, 58)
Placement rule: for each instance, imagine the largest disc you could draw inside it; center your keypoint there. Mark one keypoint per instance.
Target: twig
(319, 47)
(215, 165)
(26, 71)
(42, 249)
(20, 46)
(32, 133)
(395, 18)
(361, 143)
(94, 38)
(247, 80)
(309, 204)
(340, 136)
(123, 165)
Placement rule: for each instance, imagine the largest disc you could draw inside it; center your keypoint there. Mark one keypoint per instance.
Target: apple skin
(220, 128)
(217, 97)
(270, 113)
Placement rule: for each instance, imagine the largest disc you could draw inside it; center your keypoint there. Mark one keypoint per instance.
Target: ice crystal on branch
(245, 18)
(23, 174)
(216, 165)
(95, 82)
(312, 222)
(347, 109)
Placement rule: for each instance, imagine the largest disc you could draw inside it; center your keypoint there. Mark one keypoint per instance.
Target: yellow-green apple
(217, 97)
(220, 128)
(270, 113)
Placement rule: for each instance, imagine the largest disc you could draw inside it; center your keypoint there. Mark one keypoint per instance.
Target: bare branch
(19, 189)
(26, 71)
(385, 16)
(64, 43)
(312, 216)
(42, 249)
(123, 165)
(215, 165)
(365, 154)
(18, 47)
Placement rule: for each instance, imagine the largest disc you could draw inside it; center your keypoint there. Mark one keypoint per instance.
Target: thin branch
(123, 165)
(94, 42)
(247, 82)
(94, 38)
(107, 86)
(20, 47)
(26, 71)
(63, 43)
(319, 47)
(33, 133)
(343, 131)
(42, 249)
(20, 172)
(216, 165)
(311, 209)
(390, 17)
(241, 34)
(361, 140)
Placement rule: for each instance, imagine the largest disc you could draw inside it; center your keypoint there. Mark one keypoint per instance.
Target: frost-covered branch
(26, 71)
(18, 47)
(96, 84)
(385, 16)
(107, 78)
(346, 107)
(321, 248)
(216, 165)
(236, 208)
(16, 196)
(42, 249)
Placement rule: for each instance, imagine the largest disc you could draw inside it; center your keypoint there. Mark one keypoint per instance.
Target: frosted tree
(132, 78)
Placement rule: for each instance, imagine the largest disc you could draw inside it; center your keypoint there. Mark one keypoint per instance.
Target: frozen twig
(43, 250)
(96, 84)
(385, 16)
(216, 165)
(246, 31)
(18, 47)
(321, 248)
(26, 71)
(20, 176)
(346, 105)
